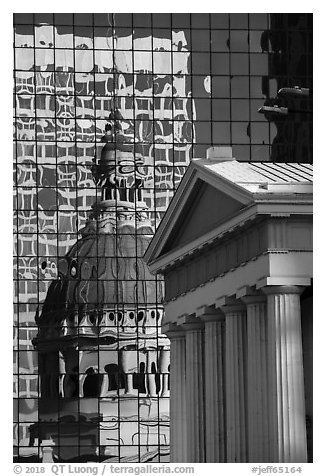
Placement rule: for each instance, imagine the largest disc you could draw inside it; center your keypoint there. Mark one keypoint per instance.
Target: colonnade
(113, 374)
(237, 385)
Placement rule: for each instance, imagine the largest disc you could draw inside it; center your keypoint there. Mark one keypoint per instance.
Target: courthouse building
(235, 249)
(91, 364)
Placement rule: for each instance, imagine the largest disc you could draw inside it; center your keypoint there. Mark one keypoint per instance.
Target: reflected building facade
(103, 361)
(180, 82)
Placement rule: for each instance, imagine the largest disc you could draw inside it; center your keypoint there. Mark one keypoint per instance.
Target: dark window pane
(83, 18)
(203, 132)
(220, 63)
(63, 19)
(241, 152)
(238, 20)
(200, 63)
(240, 109)
(162, 20)
(260, 153)
(221, 133)
(259, 133)
(239, 40)
(180, 20)
(220, 20)
(220, 40)
(142, 19)
(240, 132)
(259, 64)
(200, 40)
(26, 18)
(221, 109)
(43, 18)
(221, 86)
(239, 64)
(200, 20)
(199, 151)
(256, 87)
(102, 19)
(258, 21)
(239, 87)
(121, 19)
(203, 109)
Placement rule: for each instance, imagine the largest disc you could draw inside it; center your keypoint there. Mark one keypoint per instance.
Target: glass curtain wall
(181, 83)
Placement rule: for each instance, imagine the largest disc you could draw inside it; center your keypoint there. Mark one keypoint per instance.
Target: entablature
(264, 235)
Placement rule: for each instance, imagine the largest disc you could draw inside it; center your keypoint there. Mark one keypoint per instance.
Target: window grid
(172, 126)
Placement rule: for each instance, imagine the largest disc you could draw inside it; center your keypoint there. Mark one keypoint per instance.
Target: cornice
(263, 237)
(282, 208)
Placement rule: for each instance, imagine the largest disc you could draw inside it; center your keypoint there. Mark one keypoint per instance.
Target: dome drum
(120, 373)
(114, 323)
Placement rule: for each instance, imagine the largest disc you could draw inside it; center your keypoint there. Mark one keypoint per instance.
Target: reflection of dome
(103, 280)
(115, 140)
(99, 333)
(121, 145)
(101, 270)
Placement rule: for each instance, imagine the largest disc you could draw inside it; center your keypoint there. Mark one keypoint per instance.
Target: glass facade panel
(109, 109)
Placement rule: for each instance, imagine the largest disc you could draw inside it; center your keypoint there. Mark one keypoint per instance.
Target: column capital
(283, 289)
(231, 304)
(173, 331)
(191, 323)
(210, 314)
(254, 299)
(247, 291)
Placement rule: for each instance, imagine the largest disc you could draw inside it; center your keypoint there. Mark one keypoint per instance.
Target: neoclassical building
(235, 249)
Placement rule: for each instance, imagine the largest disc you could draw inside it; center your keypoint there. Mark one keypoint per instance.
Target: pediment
(213, 198)
(205, 208)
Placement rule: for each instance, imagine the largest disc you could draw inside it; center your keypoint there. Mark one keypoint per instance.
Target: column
(257, 388)
(128, 364)
(235, 379)
(178, 419)
(195, 382)
(285, 374)
(164, 362)
(62, 375)
(47, 451)
(151, 357)
(104, 385)
(214, 385)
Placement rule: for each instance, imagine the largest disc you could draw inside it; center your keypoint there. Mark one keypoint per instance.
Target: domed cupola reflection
(103, 358)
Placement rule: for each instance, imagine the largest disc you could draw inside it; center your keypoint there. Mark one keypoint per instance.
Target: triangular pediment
(202, 206)
(215, 197)
(204, 210)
